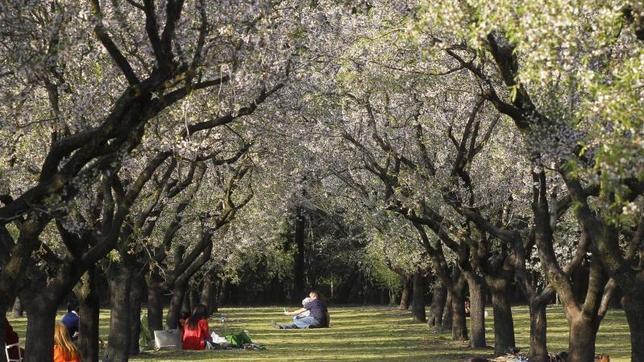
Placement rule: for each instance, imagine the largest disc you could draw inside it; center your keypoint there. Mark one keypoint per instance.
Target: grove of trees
(163, 153)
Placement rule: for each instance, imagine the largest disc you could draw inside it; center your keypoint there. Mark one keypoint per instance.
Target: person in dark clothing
(318, 317)
(71, 320)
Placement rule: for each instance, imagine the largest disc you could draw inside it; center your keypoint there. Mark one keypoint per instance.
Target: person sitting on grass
(71, 320)
(318, 317)
(64, 348)
(195, 331)
(307, 312)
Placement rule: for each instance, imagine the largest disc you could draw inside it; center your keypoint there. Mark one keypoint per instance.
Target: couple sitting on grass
(313, 314)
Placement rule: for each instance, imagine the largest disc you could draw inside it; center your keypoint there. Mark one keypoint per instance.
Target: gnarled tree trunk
(176, 303)
(118, 346)
(136, 298)
(89, 309)
(41, 319)
(581, 341)
(634, 308)
(477, 309)
(503, 321)
(459, 326)
(208, 294)
(155, 301)
(538, 343)
(439, 296)
(447, 314)
(418, 304)
(406, 292)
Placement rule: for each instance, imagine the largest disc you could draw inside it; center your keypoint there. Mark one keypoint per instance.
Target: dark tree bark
(503, 321)
(41, 297)
(155, 301)
(447, 314)
(89, 309)
(635, 316)
(459, 326)
(581, 342)
(3, 356)
(418, 304)
(216, 296)
(137, 292)
(185, 305)
(439, 296)
(195, 298)
(538, 324)
(208, 292)
(477, 309)
(176, 303)
(17, 309)
(118, 344)
(40, 329)
(299, 272)
(406, 292)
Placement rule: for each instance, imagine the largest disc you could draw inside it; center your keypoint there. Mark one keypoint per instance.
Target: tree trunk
(119, 337)
(136, 298)
(439, 297)
(185, 304)
(634, 308)
(406, 292)
(155, 302)
(477, 309)
(216, 296)
(459, 326)
(418, 304)
(89, 309)
(3, 356)
(503, 322)
(17, 309)
(538, 346)
(299, 267)
(40, 330)
(195, 298)
(207, 294)
(581, 342)
(176, 303)
(447, 315)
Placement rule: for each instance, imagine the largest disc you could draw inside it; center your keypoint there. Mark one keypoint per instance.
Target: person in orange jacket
(64, 348)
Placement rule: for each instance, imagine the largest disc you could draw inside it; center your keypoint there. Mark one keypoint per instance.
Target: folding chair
(17, 347)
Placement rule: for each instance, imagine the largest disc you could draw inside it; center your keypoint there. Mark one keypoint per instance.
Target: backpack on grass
(238, 340)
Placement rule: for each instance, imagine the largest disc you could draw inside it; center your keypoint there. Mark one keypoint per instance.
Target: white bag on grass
(169, 338)
(217, 338)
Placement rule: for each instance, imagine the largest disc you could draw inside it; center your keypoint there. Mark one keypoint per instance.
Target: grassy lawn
(371, 333)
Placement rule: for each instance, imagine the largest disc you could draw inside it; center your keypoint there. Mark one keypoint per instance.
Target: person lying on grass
(318, 314)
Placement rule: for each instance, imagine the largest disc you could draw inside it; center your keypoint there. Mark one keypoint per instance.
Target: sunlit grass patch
(370, 333)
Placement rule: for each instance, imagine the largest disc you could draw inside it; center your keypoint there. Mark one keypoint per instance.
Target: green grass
(371, 333)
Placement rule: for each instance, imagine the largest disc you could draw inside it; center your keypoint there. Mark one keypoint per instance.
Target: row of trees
(162, 145)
